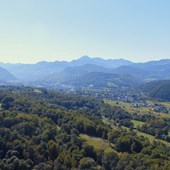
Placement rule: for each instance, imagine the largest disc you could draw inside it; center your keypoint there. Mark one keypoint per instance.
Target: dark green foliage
(157, 127)
(40, 131)
(127, 143)
(87, 163)
(110, 161)
(6, 102)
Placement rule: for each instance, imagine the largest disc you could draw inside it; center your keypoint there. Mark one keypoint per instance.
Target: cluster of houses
(160, 108)
(157, 107)
(137, 99)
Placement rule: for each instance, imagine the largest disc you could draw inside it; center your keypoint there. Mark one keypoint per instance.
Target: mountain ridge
(84, 67)
(34, 72)
(6, 76)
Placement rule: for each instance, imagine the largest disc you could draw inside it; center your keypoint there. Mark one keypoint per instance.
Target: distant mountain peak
(107, 63)
(85, 57)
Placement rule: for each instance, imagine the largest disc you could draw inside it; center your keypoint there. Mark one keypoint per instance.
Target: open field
(152, 138)
(110, 84)
(137, 123)
(167, 104)
(97, 143)
(127, 106)
(109, 122)
(37, 90)
(142, 110)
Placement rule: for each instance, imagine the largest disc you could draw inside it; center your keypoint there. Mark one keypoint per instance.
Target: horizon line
(74, 59)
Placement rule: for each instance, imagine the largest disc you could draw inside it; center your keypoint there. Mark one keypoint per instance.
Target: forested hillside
(105, 80)
(158, 89)
(6, 76)
(46, 130)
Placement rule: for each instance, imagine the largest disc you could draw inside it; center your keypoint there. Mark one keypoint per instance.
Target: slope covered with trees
(42, 129)
(6, 76)
(158, 89)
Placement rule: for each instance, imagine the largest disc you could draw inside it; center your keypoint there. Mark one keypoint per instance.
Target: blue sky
(35, 30)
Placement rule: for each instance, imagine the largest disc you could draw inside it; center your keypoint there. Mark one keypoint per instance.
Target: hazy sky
(34, 30)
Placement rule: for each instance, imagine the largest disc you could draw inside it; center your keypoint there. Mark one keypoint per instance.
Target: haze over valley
(84, 85)
(87, 71)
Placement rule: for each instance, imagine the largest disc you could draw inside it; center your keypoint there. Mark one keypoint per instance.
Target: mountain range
(42, 70)
(87, 71)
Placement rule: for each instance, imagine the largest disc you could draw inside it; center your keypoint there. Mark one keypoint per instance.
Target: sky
(39, 30)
